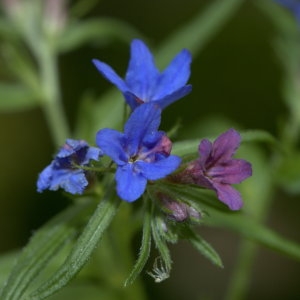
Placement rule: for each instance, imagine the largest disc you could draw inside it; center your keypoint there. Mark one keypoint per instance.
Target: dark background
(236, 77)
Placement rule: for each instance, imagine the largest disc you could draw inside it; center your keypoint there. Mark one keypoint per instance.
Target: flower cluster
(142, 153)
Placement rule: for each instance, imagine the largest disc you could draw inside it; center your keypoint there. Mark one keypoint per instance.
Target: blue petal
(142, 74)
(73, 182)
(175, 75)
(169, 99)
(130, 184)
(110, 75)
(143, 121)
(44, 179)
(112, 143)
(92, 153)
(159, 169)
(132, 100)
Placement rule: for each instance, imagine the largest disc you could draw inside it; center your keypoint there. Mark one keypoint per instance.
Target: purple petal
(205, 152)
(228, 195)
(142, 73)
(143, 121)
(234, 171)
(175, 76)
(159, 169)
(170, 98)
(130, 184)
(110, 75)
(225, 145)
(112, 142)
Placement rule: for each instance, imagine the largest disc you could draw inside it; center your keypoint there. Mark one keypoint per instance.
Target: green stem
(52, 104)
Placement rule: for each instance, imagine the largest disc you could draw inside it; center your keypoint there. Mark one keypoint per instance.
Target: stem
(52, 97)
(43, 50)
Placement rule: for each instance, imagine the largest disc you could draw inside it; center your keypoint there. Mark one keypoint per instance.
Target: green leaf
(203, 247)
(198, 32)
(145, 247)
(245, 225)
(43, 247)
(288, 173)
(15, 97)
(282, 18)
(7, 262)
(82, 249)
(95, 31)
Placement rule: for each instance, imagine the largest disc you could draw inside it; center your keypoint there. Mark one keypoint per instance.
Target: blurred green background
(236, 81)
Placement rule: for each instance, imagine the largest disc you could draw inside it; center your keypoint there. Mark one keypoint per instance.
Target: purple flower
(216, 169)
(141, 153)
(62, 171)
(143, 81)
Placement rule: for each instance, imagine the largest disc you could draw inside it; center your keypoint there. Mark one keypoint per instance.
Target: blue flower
(143, 81)
(141, 153)
(62, 171)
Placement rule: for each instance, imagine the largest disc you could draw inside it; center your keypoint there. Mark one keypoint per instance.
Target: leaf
(288, 173)
(43, 247)
(196, 34)
(240, 223)
(7, 262)
(15, 97)
(82, 249)
(203, 247)
(95, 31)
(145, 247)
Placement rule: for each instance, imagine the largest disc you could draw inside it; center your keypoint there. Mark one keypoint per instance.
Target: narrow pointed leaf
(43, 247)
(204, 248)
(145, 248)
(82, 249)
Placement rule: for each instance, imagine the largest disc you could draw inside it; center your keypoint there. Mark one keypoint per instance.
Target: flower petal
(175, 76)
(143, 121)
(159, 169)
(228, 195)
(142, 73)
(205, 152)
(225, 145)
(110, 75)
(130, 184)
(73, 182)
(44, 178)
(170, 98)
(234, 171)
(112, 143)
